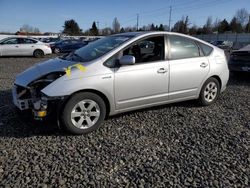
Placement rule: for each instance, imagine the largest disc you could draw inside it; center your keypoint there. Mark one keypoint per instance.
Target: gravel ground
(180, 145)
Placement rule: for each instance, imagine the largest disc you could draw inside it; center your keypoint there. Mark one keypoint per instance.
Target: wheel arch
(38, 49)
(100, 94)
(217, 78)
(213, 76)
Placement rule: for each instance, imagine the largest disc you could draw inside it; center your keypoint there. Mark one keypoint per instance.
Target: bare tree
(242, 16)
(29, 29)
(116, 25)
(207, 28)
(36, 30)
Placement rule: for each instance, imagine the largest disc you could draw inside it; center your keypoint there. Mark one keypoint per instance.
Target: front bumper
(40, 107)
(21, 104)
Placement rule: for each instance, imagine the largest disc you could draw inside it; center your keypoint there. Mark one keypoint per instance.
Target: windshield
(98, 48)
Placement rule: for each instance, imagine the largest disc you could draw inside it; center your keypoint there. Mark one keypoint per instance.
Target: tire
(209, 92)
(83, 113)
(57, 50)
(38, 53)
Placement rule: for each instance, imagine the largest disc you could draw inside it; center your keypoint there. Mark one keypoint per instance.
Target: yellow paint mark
(78, 66)
(81, 67)
(68, 71)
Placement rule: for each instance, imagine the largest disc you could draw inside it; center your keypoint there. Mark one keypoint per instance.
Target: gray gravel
(180, 145)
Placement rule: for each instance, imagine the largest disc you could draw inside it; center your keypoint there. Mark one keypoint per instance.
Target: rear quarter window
(207, 50)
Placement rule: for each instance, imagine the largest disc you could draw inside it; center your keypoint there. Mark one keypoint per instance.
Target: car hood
(41, 69)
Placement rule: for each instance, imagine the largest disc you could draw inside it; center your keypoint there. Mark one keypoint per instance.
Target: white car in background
(23, 46)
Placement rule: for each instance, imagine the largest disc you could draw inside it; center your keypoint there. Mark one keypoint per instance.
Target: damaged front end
(31, 98)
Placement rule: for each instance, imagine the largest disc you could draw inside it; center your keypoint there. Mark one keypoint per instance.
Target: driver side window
(147, 50)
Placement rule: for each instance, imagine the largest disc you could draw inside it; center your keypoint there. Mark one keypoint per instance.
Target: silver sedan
(23, 46)
(121, 73)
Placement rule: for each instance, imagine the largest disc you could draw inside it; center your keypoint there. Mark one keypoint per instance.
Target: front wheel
(209, 92)
(83, 113)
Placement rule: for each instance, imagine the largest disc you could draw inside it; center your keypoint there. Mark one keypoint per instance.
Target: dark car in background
(240, 60)
(64, 46)
(225, 45)
(50, 40)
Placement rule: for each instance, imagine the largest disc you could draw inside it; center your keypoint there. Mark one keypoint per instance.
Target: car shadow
(17, 125)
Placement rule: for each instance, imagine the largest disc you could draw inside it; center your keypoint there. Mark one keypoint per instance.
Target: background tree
(208, 27)
(161, 28)
(122, 30)
(193, 30)
(235, 26)
(223, 26)
(116, 25)
(181, 26)
(71, 28)
(247, 29)
(36, 30)
(94, 30)
(242, 16)
(152, 27)
(29, 29)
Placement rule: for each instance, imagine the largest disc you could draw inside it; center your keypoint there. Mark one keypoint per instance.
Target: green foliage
(94, 30)
(236, 27)
(223, 26)
(71, 28)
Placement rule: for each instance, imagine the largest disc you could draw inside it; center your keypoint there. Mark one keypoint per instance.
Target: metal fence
(240, 37)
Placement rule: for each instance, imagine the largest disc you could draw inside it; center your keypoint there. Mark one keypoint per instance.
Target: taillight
(47, 45)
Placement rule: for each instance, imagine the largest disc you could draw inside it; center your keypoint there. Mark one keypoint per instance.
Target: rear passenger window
(182, 47)
(207, 50)
(28, 41)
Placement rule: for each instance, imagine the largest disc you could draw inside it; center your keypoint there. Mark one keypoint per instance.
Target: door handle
(16, 46)
(203, 65)
(161, 70)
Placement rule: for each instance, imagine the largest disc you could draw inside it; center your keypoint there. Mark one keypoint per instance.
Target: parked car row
(63, 46)
(25, 46)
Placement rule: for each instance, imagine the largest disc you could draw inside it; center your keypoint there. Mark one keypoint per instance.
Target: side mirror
(127, 60)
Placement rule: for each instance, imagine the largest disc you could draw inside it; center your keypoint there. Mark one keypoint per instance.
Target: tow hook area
(40, 108)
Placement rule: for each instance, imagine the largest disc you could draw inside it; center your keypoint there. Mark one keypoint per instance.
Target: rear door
(27, 46)
(188, 67)
(10, 47)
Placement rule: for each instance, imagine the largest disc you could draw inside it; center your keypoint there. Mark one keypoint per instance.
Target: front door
(10, 47)
(145, 82)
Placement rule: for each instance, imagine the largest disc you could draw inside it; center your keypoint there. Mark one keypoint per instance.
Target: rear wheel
(83, 113)
(209, 92)
(38, 53)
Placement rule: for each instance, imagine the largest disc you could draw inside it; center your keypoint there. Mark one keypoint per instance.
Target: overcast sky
(49, 15)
